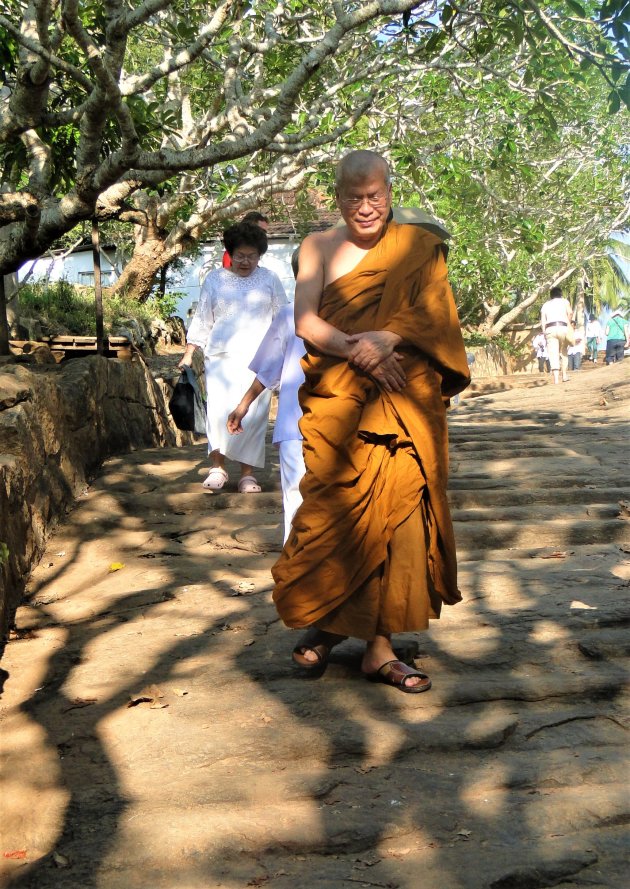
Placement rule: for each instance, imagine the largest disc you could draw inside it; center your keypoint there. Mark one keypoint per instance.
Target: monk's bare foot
(379, 654)
(314, 648)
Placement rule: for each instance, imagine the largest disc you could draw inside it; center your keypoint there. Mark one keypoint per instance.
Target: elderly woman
(235, 309)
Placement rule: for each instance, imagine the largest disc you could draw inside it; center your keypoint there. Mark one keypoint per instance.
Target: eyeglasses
(374, 200)
(245, 258)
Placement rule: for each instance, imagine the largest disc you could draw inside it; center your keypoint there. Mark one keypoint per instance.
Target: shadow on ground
(507, 774)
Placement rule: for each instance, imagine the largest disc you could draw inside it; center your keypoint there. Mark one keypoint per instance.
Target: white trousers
(557, 345)
(291, 471)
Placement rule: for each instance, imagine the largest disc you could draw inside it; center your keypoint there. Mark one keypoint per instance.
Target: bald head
(358, 166)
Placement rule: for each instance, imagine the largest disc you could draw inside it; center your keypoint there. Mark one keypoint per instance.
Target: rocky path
(155, 736)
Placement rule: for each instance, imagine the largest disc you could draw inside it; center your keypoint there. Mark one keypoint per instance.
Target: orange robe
(372, 548)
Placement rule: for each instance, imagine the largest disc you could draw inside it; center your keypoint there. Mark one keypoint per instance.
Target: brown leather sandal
(320, 643)
(397, 674)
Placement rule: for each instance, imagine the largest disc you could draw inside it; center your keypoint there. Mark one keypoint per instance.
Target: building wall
(77, 268)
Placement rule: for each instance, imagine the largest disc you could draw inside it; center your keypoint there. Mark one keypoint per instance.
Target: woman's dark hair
(245, 234)
(254, 216)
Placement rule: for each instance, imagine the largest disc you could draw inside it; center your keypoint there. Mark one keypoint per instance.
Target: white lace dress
(231, 319)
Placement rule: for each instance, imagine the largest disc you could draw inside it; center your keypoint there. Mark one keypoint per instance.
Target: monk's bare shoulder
(327, 241)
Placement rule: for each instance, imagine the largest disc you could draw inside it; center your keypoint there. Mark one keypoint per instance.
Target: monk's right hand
(390, 374)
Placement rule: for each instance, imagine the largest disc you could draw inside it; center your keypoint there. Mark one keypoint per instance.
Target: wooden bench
(114, 346)
(78, 346)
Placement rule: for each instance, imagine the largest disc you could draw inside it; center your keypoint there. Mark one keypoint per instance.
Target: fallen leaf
(266, 719)
(78, 703)
(366, 861)
(115, 566)
(152, 694)
(60, 860)
(180, 692)
(16, 853)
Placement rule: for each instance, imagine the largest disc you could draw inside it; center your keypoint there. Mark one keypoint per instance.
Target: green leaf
(616, 71)
(614, 102)
(577, 8)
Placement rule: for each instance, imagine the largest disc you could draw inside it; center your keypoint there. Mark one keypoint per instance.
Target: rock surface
(155, 735)
(57, 425)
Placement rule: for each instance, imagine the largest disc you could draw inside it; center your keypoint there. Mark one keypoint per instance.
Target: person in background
(255, 218)
(277, 366)
(594, 336)
(539, 344)
(235, 309)
(556, 317)
(576, 350)
(617, 337)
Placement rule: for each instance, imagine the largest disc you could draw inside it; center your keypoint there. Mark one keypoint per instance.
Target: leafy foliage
(176, 116)
(61, 304)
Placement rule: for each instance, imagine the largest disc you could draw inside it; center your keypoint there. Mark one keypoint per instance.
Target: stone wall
(57, 425)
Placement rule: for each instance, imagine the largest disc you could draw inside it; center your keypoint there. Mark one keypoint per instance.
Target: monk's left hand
(369, 349)
(390, 374)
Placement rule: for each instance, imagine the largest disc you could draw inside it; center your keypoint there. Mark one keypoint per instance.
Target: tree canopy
(504, 116)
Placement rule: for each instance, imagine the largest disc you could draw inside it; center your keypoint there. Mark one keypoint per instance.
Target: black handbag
(186, 404)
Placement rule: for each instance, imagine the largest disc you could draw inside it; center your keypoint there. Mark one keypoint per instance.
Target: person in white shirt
(539, 344)
(576, 351)
(235, 309)
(277, 366)
(556, 318)
(594, 336)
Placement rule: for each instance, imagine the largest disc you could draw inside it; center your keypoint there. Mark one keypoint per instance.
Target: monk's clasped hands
(370, 348)
(373, 352)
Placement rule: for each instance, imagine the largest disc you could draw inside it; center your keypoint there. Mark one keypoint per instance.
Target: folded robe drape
(372, 547)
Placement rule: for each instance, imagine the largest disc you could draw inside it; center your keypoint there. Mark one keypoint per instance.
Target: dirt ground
(154, 734)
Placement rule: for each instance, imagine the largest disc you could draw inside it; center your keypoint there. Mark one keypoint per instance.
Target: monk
(371, 551)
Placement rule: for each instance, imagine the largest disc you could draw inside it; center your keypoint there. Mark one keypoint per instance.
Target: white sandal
(217, 477)
(249, 485)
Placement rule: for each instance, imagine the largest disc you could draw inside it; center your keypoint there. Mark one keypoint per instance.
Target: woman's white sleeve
(203, 319)
(278, 297)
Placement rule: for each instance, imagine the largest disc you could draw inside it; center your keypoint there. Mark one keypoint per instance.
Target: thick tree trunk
(138, 276)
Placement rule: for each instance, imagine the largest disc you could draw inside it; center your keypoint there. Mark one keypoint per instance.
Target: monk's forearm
(323, 336)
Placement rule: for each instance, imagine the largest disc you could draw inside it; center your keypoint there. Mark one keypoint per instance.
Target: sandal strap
(398, 673)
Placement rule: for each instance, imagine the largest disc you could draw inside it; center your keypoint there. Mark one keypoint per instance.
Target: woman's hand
(234, 426)
(389, 374)
(187, 358)
(370, 349)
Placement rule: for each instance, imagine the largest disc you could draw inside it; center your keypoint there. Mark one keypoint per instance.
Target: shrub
(62, 304)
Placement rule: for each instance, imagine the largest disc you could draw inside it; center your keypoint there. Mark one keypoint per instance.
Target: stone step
(560, 533)
(482, 495)
(537, 470)
(576, 510)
